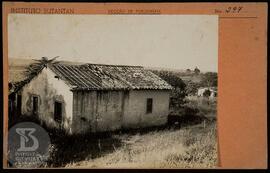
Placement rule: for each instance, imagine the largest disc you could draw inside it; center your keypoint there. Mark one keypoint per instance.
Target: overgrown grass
(201, 149)
(206, 106)
(190, 147)
(190, 144)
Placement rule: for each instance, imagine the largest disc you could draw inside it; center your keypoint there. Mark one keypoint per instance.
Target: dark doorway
(149, 105)
(35, 105)
(10, 112)
(58, 111)
(19, 105)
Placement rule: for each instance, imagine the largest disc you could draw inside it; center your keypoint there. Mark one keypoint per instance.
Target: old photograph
(112, 91)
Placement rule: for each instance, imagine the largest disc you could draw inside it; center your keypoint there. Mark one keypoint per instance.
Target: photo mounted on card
(134, 85)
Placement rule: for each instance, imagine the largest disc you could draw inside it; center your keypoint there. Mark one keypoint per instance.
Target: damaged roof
(108, 77)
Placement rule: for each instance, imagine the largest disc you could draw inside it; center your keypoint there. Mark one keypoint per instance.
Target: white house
(95, 97)
(213, 91)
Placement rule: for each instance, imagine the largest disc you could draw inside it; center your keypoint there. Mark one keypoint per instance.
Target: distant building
(213, 91)
(94, 97)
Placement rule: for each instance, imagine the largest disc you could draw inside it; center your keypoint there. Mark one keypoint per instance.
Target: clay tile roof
(108, 77)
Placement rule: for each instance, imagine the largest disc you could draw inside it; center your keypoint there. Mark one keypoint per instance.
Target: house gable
(48, 90)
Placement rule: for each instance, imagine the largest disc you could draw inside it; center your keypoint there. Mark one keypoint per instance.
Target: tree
(31, 71)
(209, 79)
(196, 70)
(179, 87)
(188, 70)
(35, 68)
(207, 93)
(192, 87)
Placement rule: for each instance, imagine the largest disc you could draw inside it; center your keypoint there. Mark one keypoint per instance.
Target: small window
(35, 105)
(58, 111)
(19, 104)
(149, 105)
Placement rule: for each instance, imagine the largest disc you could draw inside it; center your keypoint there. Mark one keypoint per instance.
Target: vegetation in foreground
(188, 142)
(189, 147)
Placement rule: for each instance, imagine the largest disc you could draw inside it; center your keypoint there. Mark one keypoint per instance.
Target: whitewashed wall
(48, 89)
(135, 115)
(94, 111)
(98, 111)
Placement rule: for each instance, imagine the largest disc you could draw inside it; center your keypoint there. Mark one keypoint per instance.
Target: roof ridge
(86, 76)
(63, 63)
(115, 65)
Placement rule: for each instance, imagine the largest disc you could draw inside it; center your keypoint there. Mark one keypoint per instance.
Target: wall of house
(111, 110)
(48, 89)
(97, 110)
(135, 115)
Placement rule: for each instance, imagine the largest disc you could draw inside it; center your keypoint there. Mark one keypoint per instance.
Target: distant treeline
(186, 83)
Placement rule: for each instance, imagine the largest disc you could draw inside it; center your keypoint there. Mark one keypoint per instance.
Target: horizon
(76, 62)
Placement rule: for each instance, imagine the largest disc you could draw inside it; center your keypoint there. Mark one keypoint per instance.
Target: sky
(168, 41)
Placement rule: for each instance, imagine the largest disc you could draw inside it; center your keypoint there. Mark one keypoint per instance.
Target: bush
(207, 93)
(178, 92)
(209, 79)
(192, 88)
(182, 89)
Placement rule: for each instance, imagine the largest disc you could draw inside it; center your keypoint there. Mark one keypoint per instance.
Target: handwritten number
(239, 9)
(228, 9)
(233, 9)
